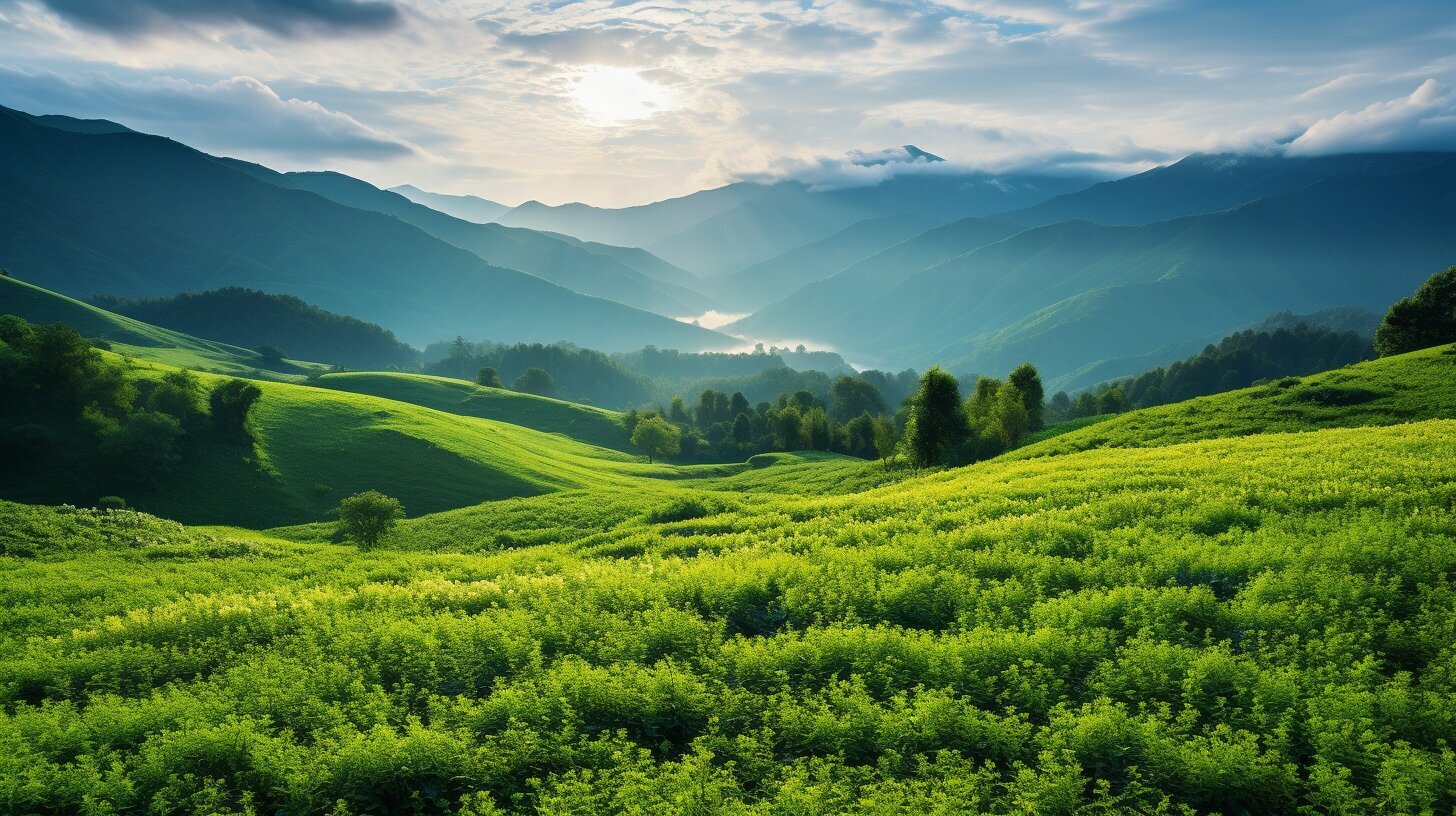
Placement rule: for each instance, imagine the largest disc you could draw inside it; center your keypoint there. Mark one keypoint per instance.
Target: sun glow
(609, 95)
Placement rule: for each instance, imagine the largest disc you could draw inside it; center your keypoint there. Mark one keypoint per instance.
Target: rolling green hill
(253, 319)
(1392, 390)
(144, 341)
(315, 446)
(594, 426)
(1229, 626)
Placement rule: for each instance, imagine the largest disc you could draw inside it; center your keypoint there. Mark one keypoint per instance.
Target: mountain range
(134, 215)
(1089, 279)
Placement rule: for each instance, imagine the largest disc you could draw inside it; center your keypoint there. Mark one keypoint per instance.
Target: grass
(1259, 624)
(1405, 388)
(594, 426)
(314, 446)
(143, 341)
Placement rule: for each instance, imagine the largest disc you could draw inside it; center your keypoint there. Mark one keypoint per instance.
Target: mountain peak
(905, 154)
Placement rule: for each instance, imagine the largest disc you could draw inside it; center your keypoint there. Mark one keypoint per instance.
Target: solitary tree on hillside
(367, 517)
(535, 381)
(272, 355)
(1028, 382)
(489, 377)
(937, 419)
(656, 437)
(1425, 319)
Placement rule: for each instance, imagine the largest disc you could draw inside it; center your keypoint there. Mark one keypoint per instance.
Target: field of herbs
(1262, 624)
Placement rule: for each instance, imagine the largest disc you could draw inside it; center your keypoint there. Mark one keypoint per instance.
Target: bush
(367, 517)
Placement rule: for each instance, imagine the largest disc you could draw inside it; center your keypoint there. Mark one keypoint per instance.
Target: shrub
(367, 517)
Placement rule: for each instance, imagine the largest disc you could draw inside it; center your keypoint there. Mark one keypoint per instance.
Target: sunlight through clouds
(609, 95)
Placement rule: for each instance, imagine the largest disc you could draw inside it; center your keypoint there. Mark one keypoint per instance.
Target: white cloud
(1424, 120)
(236, 114)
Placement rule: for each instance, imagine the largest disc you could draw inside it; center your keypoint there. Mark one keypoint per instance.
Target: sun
(610, 95)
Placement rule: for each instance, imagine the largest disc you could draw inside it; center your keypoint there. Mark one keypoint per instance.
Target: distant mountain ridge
(466, 207)
(748, 223)
(140, 216)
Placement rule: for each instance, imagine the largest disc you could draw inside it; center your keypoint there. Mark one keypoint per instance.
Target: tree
(852, 396)
(230, 403)
(1028, 382)
(816, 428)
(489, 377)
(1085, 406)
(535, 381)
(656, 437)
(367, 517)
(1425, 319)
(677, 413)
(1009, 417)
(742, 429)
(1111, 401)
(886, 438)
(272, 355)
(788, 429)
(979, 405)
(1061, 405)
(937, 419)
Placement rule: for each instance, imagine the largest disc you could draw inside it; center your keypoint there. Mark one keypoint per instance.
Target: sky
(620, 102)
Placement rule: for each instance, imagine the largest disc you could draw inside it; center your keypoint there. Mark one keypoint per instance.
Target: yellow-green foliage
(594, 426)
(1254, 625)
(134, 338)
(1410, 387)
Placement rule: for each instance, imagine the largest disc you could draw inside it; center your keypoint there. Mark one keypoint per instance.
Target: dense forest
(283, 324)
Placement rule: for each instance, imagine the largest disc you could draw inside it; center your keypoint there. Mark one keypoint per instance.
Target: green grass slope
(314, 446)
(134, 338)
(1251, 625)
(584, 423)
(1405, 388)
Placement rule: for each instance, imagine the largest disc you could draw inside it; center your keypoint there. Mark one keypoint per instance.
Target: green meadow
(1237, 604)
(1261, 624)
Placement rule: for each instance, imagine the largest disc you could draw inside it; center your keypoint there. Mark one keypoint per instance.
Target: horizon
(616, 105)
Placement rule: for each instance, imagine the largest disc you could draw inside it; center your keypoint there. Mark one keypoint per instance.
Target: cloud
(288, 18)
(240, 113)
(827, 37)
(1425, 120)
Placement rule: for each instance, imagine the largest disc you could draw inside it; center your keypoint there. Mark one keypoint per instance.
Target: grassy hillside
(314, 446)
(134, 338)
(594, 426)
(1406, 388)
(1260, 624)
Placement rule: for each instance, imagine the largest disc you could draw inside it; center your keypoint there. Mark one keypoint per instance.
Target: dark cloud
(289, 18)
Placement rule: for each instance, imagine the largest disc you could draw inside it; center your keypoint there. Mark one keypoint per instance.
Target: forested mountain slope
(136, 215)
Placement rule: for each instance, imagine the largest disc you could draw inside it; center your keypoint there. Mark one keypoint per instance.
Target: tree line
(931, 427)
(1241, 360)
(60, 394)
